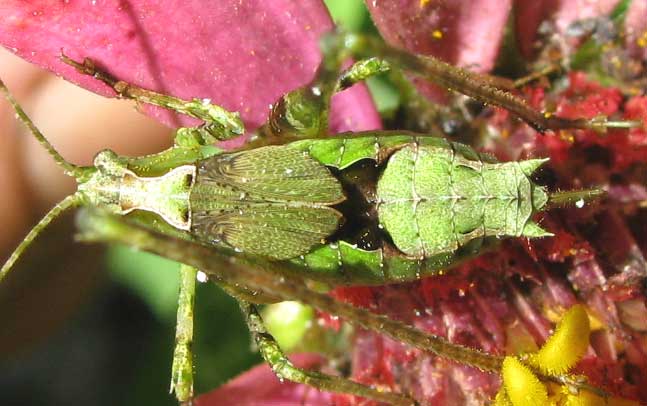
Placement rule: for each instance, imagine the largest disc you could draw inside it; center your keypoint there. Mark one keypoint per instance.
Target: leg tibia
(484, 88)
(284, 369)
(218, 122)
(182, 370)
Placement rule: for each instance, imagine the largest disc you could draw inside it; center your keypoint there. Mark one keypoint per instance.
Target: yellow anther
(566, 346)
(502, 398)
(521, 385)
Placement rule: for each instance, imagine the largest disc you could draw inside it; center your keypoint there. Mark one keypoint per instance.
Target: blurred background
(88, 324)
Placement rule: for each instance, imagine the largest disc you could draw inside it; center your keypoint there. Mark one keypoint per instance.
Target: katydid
(365, 208)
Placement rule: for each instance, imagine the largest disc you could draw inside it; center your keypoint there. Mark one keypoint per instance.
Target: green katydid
(357, 209)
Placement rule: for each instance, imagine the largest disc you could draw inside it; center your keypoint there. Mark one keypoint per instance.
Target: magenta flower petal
(241, 55)
(260, 387)
(466, 33)
(353, 110)
(636, 26)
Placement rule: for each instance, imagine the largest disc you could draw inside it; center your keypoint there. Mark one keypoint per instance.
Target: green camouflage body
(437, 203)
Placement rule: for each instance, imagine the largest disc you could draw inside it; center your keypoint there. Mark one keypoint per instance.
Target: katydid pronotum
(295, 205)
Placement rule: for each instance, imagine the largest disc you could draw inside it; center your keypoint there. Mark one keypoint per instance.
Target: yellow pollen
(423, 3)
(567, 136)
(641, 41)
(616, 62)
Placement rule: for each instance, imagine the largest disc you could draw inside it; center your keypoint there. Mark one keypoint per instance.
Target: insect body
(430, 203)
(435, 203)
(359, 209)
(274, 201)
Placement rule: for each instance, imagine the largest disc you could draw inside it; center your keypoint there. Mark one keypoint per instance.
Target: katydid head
(112, 186)
(83, 176)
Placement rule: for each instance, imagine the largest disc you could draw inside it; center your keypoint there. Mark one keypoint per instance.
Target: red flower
(243, 55)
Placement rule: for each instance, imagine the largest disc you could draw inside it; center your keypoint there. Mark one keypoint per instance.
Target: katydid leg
(190, 146)
(284, 369)
(484, 88)
(256, 274)
(303, 112)
(241, 293)
(182, 370)
(218, 122)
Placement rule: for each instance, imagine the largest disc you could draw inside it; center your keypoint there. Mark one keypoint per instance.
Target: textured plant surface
(244, 55)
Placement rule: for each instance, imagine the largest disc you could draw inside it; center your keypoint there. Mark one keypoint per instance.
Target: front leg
(219, 123)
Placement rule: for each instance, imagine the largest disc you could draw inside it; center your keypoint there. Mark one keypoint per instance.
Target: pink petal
(530, 14)
(636, 27)
(353, 110)
(241, 55)
(465, 33)
(260, 387)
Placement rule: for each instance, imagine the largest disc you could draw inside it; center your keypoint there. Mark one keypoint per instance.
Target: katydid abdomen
(433, 200)
(430, 204)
